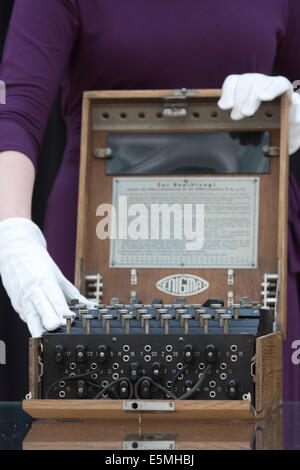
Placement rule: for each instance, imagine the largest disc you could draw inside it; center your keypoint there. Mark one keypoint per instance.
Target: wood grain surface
(108, 435)
(268, 381)
(112, 409)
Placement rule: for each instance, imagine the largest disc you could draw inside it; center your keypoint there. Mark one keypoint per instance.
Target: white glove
(244, 94)
(37, 289)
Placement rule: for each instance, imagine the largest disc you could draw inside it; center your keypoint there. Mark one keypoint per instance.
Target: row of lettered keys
(177, 316)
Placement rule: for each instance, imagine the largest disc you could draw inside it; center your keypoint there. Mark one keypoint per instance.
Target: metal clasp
(149, 407)
(175, 106)
(103, 153)
(149, 442)
(271, 151)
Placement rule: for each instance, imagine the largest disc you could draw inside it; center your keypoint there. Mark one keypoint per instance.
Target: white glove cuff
(16, 228)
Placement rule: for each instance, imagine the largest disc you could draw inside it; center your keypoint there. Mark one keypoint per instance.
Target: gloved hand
(244, 94)
(37, 289)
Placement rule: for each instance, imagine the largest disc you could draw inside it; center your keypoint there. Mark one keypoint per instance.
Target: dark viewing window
(187, 153)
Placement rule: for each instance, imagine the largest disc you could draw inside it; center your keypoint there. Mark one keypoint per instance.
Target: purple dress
(137, 44)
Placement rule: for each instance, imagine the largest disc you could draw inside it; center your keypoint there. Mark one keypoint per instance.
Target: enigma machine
(182, 247)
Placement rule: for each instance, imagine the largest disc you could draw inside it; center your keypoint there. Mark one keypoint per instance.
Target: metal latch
(271, 151)
(148, 406)
(149, 442)
(175, 106)
(103, 153)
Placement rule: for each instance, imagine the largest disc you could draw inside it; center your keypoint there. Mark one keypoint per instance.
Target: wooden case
(92, 256)
(153, 434)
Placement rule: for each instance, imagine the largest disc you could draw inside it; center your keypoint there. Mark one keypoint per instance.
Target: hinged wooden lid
(148, 111)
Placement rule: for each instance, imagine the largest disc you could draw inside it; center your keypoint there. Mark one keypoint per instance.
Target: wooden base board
(110, 435)
(188, 434)
(112, 409)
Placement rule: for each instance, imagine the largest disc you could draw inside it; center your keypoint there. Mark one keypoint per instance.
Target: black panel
(166, 350)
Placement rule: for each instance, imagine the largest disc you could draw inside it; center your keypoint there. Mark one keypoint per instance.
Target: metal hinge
(175, 106)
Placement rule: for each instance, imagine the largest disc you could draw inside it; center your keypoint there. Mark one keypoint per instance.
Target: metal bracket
(270, 293)
(271, 151)
(133, 277)
(94, 287)
(103, 153)
(230, 277)
(185, 92)
(175, 106)
(149, 442)
(230, 298)
(247, 397)
(79, 273)
(132, 295)
(148, 407)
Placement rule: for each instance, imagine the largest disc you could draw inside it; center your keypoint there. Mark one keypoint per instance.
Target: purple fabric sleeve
(287, 61)
(37, 50)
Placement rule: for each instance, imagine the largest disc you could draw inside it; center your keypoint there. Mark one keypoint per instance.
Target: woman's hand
(244, 93)
(37, 289)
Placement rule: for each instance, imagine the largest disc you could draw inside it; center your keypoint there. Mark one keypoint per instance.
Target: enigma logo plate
(182, 284)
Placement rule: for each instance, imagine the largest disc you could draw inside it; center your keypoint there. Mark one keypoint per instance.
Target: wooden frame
(90, 259)
(272, 251)
(186, 434)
